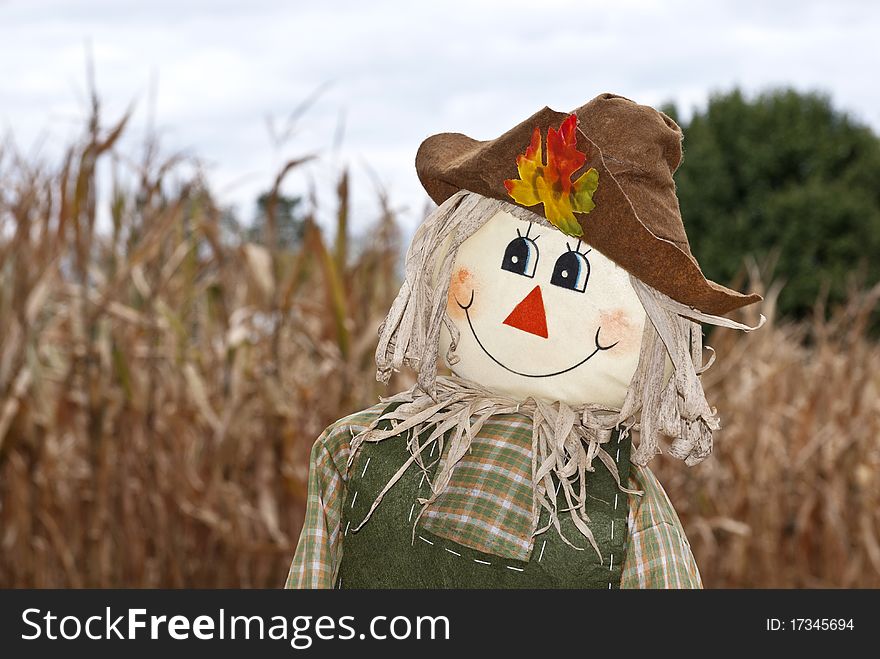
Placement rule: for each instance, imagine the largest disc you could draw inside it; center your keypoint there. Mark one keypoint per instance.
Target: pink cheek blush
(461, 285)
(618, 326)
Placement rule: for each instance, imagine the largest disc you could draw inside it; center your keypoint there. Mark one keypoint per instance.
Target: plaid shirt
(487, 507)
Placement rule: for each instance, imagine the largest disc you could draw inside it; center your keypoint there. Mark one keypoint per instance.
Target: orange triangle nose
(529, 315)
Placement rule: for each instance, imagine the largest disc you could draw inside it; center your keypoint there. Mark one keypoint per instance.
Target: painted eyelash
(527, 233)
(577, 248)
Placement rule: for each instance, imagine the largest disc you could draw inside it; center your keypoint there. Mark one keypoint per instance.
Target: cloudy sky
(390, 73)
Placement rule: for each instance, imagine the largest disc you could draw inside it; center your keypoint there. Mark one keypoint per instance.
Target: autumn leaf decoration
(550, 184)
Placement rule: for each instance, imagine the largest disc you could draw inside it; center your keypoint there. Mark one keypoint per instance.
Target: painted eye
(521, 256)
(572, 270)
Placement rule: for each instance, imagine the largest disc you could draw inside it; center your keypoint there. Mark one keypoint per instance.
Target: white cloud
(403, 70)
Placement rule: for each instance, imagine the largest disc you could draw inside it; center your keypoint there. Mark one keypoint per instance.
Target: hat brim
(449, 162)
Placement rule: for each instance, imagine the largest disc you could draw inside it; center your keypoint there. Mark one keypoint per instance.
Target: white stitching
(542, 551)
(421, 537)
(518, 569)
(365, 466)
(354, 498)
(477, 560)
(611, 562)
(452, 552)
(413, 507)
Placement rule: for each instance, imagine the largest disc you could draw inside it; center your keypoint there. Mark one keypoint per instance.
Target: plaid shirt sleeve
(319, 550)
(658, 554)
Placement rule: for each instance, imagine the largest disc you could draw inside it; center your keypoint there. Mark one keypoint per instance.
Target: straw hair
(565, 439)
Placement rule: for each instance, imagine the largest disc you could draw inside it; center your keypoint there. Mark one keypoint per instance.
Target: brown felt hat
(636, 221)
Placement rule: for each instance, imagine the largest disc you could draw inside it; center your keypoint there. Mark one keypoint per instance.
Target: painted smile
(599, 347)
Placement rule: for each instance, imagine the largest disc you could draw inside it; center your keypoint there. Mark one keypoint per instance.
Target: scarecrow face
(542, 314)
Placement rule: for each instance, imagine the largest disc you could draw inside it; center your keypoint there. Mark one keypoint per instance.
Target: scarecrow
(556, 283)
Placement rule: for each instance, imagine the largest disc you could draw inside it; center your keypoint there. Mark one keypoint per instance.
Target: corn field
(161, 386)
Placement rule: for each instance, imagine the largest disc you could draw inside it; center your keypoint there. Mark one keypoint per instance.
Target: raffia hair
(658, 407)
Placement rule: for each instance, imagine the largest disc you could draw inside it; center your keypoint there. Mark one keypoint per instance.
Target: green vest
(385, 554)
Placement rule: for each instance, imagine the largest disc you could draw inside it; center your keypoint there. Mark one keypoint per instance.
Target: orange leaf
(551, 183)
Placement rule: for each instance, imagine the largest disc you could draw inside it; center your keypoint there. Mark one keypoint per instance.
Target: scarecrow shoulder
(653, 508)
(332, 446)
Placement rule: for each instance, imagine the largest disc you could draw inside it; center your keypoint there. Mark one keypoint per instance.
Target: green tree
(289, 223)
(784, 173)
